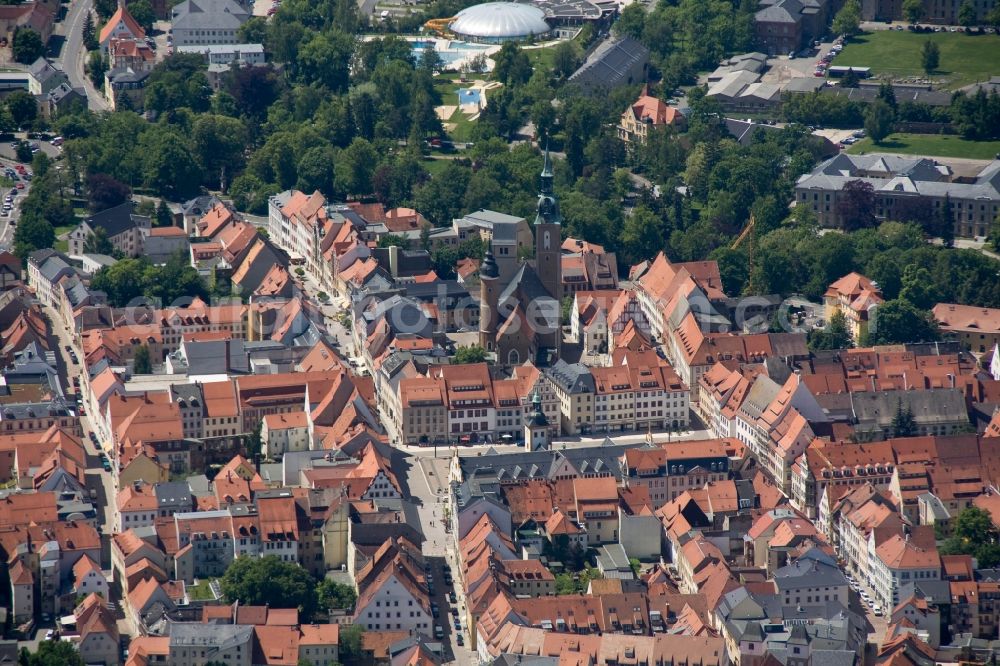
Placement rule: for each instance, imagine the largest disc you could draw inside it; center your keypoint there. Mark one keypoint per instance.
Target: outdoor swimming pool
(469, 96)
(450, 51)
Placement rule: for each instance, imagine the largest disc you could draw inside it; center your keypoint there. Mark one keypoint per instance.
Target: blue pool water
(447, 58)
(465, 46)
(421, 44)
(468, 96)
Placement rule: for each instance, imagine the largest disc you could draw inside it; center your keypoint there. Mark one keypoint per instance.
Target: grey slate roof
(545, 464)
(611, 64)
(929, 407)
(173, 495)
(114, 220)
(808, 573)
(207, 14)
(571, 377)
(42, 70)
(918, 175)
(209, 636)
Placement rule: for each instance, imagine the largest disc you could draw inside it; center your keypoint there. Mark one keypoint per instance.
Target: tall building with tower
(520, 303)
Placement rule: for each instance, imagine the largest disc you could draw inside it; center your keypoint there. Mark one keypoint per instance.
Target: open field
(932, 145)
(965, 58)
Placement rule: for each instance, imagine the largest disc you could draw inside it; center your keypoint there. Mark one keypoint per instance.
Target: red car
(20, 186)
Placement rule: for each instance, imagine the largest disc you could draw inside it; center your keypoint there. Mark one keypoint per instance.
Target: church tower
(536, 426)
(548, 235)
(489, 302)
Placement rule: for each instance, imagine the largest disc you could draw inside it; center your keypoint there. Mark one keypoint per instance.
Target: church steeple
(548, 206)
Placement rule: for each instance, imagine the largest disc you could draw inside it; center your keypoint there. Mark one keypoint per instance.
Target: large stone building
(520, 316)
(905, 188)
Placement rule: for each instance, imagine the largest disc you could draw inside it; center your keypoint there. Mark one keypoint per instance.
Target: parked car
(452, 597)
(460, 639)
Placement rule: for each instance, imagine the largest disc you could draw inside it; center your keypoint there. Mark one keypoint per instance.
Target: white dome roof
(500, 20)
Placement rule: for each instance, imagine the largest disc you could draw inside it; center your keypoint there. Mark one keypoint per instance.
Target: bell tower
(548, 235)
(489, 297)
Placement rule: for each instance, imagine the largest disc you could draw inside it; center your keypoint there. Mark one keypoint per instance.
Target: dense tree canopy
(269, 581)
(974, 534)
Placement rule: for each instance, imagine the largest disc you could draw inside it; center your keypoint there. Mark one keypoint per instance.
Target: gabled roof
(121, 15)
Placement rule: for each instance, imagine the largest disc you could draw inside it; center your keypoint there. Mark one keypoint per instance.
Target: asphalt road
(73, 54)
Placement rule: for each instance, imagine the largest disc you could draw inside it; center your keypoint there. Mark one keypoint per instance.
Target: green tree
(565, 58)
(847, 22)
(32, 233)
(967, 14)
(899, 322)
(22, 151)
(219, 143)
(254, 441)
(28, 46)
(470, 354)
(105, 8)
(918, 288)
(97, 65)
(835, 335)
(850, 80)
(641, 235)
(254, 31)
(325, 59)
(164, 218)
(269, 581)
(51, 653)
(390, 240)
(879, 120)
(143, 14)
(975, 534)
(168, 164)
(98, 243)
(511, 65)
(430, 60)
(23, 109)
(355, 168)
(930, 56)
(994, 235)
(903, 423)
(142, 364)
(123, 281)
(336, 595)
(104, 191)
(89, 33)
(913, 10)
(632, 21)
(350, 642)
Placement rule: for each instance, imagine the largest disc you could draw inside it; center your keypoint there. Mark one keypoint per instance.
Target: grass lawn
(201, 591)
(965, 58)
(934, 145)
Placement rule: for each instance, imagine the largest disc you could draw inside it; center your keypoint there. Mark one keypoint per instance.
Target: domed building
(498, 22)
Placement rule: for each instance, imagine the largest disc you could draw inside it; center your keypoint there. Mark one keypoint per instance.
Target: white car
(877, 610)
(50, 634)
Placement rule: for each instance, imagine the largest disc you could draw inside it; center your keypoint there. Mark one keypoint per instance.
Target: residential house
(121, 25)
(125, 230)
(899, 560)
(856, 298)
(645, 114)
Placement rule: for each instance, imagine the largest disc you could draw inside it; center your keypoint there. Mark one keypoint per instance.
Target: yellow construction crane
(748, 232)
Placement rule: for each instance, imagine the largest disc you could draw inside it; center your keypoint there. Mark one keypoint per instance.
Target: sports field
(931, 145)
(965, 58)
